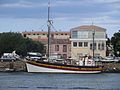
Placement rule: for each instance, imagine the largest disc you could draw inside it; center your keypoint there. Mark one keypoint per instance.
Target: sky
(31, 15)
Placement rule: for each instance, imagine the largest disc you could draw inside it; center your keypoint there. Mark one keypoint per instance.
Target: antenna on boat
(93, 35)
(49, 27)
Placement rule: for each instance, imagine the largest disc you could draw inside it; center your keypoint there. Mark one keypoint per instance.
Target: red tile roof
(88, 27)
(43, 32)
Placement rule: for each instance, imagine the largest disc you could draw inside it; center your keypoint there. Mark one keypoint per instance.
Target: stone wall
(21, 66)
(13, 65)
(111, 67)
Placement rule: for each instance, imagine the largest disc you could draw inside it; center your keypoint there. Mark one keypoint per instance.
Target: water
(37, 81)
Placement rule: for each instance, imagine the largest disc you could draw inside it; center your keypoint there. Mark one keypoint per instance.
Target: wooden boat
(50, 67)
(47, 67)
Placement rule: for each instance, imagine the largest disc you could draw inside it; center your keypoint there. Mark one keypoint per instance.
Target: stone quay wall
(111, 67)
(21, 66)
(12, 65)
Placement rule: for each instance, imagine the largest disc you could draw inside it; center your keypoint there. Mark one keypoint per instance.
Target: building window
(91, 46)
(80, 44)
(85, 44)
(82, 34)
(74, 34)
(24, 35)
(75, 44)
(64, 48)
(102, 46)
(56, 47)
(99, 46)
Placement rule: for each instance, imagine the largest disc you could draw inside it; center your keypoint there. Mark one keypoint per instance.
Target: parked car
(10, 56)
(7, 58)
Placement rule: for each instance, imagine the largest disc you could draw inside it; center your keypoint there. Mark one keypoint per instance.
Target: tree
(14, 41)
(108, 43)
(115, 40)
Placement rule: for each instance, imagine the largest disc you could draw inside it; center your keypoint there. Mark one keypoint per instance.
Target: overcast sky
(28, 15)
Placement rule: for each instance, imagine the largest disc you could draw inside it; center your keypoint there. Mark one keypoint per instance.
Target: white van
(33, 56)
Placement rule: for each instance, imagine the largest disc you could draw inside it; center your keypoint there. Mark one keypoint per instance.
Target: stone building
(82, 41)
(59, 41)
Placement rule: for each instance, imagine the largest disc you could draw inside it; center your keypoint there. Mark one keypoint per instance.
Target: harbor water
(40, 81)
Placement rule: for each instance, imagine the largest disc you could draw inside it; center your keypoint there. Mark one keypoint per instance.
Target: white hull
(34, 68)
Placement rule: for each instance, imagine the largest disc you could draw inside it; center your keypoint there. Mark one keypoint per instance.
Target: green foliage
(108, 43)
(115, 40)
(15, 41)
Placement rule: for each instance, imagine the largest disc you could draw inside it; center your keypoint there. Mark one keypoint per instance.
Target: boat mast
(93, 35)
(49, 23)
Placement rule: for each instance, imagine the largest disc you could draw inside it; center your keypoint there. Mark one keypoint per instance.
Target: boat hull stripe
(65, 67)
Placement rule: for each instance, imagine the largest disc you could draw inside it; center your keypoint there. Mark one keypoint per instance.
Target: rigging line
(43, 26)
(54, 27)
